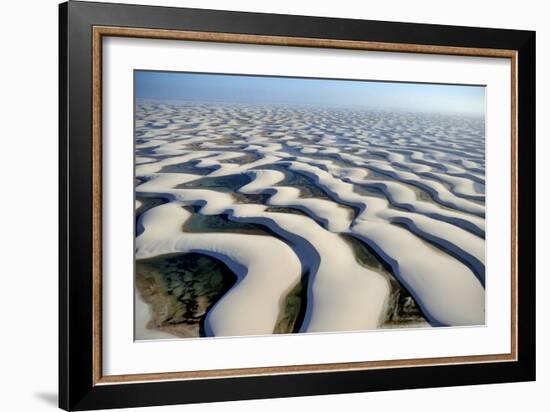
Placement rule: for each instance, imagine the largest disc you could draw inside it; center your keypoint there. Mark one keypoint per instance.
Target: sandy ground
(409, 187)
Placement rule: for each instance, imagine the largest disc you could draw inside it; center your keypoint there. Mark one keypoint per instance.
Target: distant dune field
(261, 219)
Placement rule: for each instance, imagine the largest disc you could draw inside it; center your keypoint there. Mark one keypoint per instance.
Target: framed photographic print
(256, 205)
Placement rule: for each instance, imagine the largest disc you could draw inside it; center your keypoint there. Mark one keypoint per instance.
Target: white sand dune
(252, 306)
(332, 273)
(331, 304)
(402, 196)
(334, 217)
(409, 187)
(440, 192)
(445, 288)
(469, 247)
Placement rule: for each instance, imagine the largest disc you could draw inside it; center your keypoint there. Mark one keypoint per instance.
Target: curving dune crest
(242, 311)
(330, 220)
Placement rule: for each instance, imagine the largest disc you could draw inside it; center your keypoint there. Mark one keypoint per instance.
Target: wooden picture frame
(83, 26)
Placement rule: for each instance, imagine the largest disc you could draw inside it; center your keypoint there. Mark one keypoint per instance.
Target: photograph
(276, 205)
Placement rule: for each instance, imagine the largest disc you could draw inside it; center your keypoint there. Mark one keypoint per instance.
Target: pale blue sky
(280, 90)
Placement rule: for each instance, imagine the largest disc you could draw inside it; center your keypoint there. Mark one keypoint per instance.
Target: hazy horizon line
(310, 105)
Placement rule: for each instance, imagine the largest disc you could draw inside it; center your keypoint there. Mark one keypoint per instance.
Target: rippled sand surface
(254, 220)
